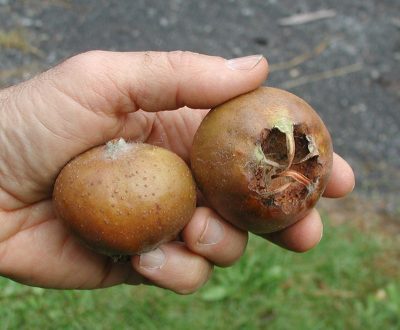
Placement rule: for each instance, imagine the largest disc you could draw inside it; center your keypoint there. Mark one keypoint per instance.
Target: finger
(342, 179)
(174, 267)
(301, 236)
(211, 237)
(155, 81)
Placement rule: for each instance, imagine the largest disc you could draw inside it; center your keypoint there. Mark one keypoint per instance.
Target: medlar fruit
(262, 159)
(125, 198)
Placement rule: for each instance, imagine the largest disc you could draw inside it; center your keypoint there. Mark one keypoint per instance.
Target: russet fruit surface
(262, 159)
(125, 198)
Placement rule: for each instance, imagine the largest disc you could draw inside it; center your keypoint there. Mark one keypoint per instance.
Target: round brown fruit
(125, 198)
(262, 159)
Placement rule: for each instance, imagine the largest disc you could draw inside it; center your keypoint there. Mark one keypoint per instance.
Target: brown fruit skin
(223, 157)
(125, 200)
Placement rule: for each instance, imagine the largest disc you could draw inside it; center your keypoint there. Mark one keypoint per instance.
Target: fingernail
(244, 63)
(152, 260)
(212, 233)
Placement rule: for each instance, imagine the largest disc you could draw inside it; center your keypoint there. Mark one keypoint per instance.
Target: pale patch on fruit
(284, 125)
(115, 147)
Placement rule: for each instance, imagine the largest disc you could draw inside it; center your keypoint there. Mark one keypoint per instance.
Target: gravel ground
(347, 65)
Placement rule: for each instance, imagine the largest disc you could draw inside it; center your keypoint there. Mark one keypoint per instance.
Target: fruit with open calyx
(262, 159)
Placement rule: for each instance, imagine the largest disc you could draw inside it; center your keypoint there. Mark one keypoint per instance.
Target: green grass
(351, 281)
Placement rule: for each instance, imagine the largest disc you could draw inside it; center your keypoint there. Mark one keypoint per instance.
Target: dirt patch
(366, 213)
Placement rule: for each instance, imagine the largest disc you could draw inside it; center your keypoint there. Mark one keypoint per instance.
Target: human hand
(89, 100)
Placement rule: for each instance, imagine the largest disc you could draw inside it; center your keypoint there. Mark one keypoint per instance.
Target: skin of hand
(88, 100)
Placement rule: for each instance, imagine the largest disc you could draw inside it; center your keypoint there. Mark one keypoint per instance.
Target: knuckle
(87, 58)
(177, 62)
(85, 64)
(178, 59)
(93, 70)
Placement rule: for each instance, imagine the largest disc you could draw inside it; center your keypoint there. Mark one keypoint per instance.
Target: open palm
(93, 98)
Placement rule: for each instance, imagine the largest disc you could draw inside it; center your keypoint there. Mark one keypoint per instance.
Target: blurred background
(343, 57)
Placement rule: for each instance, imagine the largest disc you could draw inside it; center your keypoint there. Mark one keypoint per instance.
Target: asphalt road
(347, 66)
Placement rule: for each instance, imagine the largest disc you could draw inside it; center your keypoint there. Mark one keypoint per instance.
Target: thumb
(83, 101)
(154, 81)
